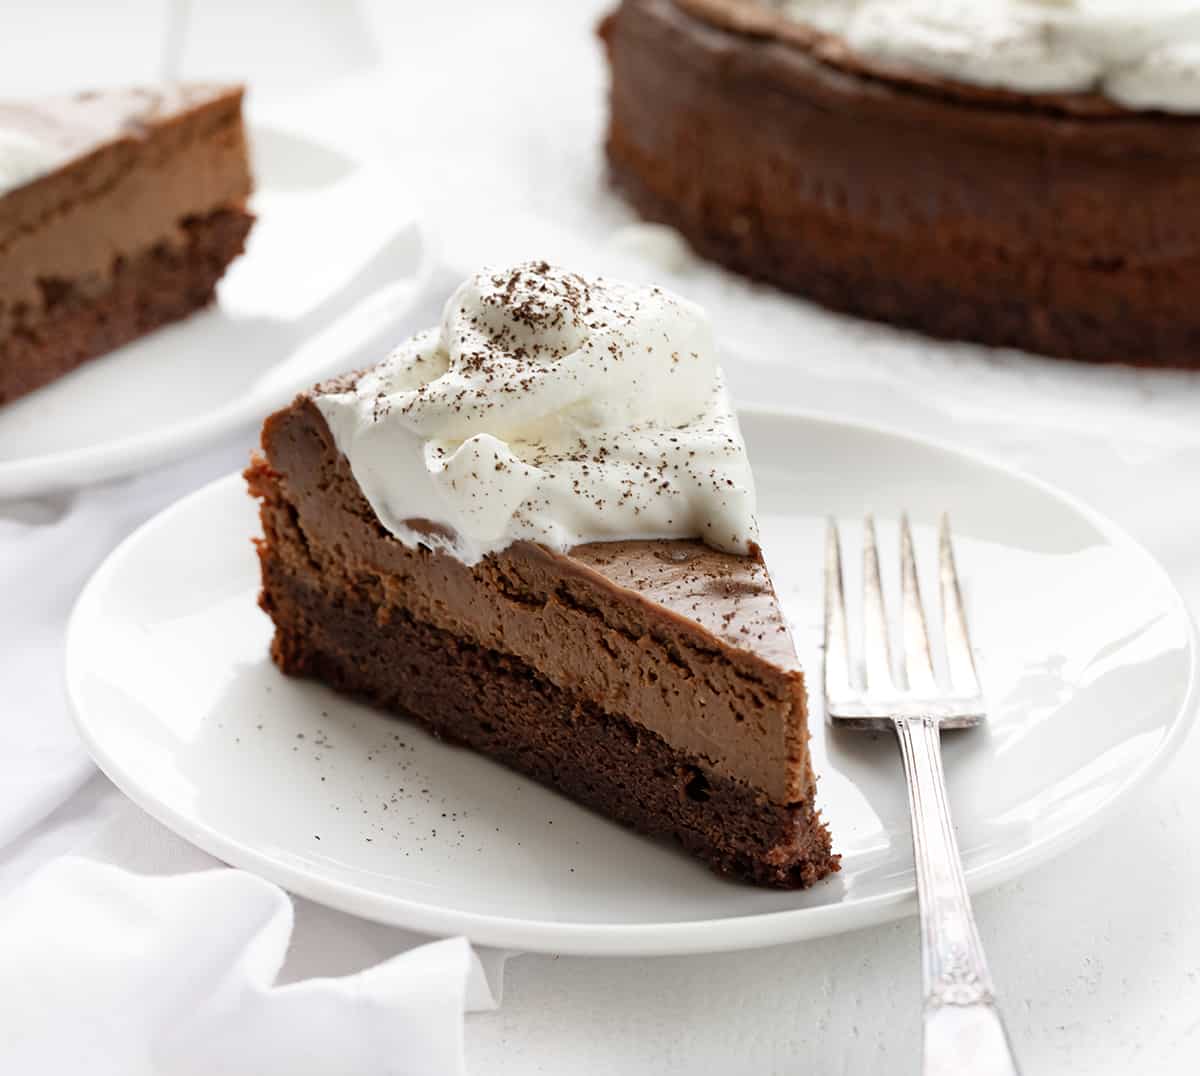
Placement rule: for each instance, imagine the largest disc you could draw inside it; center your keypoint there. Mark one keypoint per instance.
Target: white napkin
(106, 971)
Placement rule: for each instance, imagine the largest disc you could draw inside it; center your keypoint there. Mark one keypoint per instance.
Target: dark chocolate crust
(152, 289)
(502, 708)
(1059, 225)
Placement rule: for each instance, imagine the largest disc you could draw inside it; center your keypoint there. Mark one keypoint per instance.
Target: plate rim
(72, 469)
(688, 937)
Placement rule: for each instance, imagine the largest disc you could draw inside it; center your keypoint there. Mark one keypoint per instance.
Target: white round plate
(1087, 653)
(284, 319)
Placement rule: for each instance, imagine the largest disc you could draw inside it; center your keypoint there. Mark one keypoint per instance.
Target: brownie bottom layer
(148, 290)
(875, 276)
(501, 707)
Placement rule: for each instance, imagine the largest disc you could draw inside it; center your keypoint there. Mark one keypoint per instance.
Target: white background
(494, 114)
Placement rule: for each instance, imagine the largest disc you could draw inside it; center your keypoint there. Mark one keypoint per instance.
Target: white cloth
(109, 972)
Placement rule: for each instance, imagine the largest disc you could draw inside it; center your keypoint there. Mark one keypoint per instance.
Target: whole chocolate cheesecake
(119, 212)
(1020, 174)
(532, 530)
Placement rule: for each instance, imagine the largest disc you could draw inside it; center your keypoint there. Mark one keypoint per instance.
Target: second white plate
(1087, 654)
(333, 262)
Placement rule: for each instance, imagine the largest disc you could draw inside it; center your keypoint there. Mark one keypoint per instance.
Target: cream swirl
(550, 408)
(1144, 55)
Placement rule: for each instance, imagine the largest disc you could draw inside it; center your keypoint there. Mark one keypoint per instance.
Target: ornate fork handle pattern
(961, 1018)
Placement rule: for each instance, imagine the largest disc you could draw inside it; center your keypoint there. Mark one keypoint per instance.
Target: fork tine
(918, 666)
(877, 656)
(837, 647)
(960, 659)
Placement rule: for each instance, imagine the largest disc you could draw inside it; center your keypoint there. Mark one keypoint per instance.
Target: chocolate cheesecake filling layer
(1048, 224)
(345, 628)
(689, 639)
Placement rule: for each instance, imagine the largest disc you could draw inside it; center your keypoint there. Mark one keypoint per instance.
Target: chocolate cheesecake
(436, 569)
(965, 180)
(119, 212)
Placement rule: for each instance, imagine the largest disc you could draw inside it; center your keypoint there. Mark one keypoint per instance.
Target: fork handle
(964, 1033)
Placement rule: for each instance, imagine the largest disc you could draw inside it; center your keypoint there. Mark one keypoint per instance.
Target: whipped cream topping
(550, 408)
(1144, 55)
(23, 158)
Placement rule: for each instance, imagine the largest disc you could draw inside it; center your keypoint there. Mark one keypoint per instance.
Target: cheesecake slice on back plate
(532, 530)
(119, 212)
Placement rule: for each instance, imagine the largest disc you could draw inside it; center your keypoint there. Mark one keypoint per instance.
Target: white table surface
(494, 113)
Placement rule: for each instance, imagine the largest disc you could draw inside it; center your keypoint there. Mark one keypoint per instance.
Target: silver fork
(963, 1030)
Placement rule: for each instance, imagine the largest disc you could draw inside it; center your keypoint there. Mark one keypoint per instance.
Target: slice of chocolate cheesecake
(648, 673)
(119, 212)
